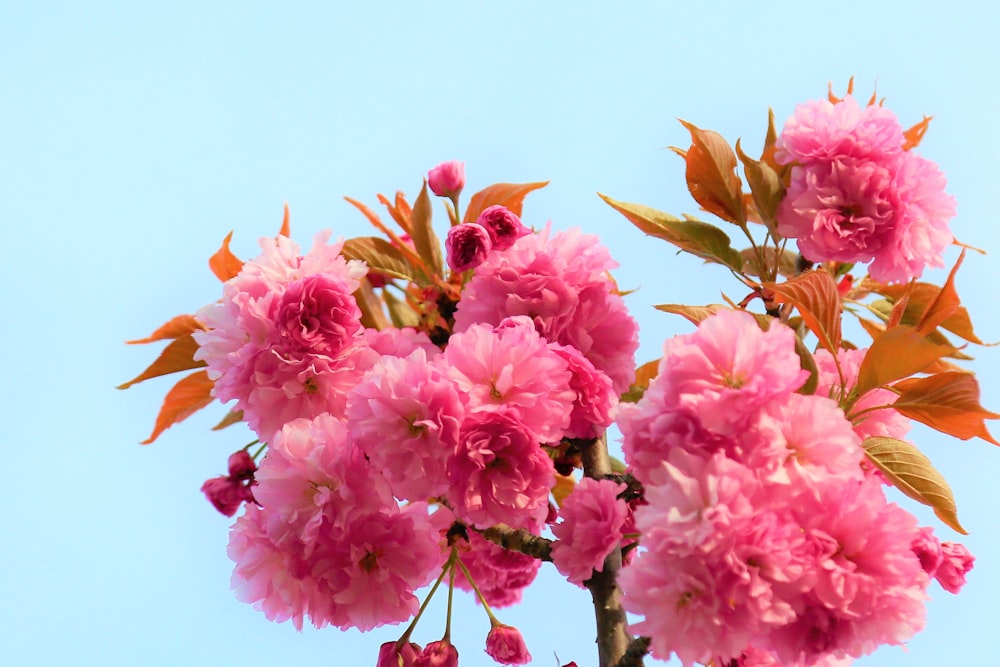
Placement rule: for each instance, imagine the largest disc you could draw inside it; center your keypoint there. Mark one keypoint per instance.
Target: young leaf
(424, 239)
(693, 314)
(176, 327)
(711, 175)
(372, 315)
(510, 195)
(693, 236)
(177, 356)
(784, 259)
(563, 487)
(916, 133)
(897, 353)
(815, 295)
(947, 402)
(381, 256)
(286, 229)
(400, 313)
(224, 263)
(765, 186)
(911, 472)
(232, 417)
(945, 305)
(808, 363)
(186, 397)
(647, 373)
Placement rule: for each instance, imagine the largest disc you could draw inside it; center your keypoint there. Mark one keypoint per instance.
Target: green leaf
(692, 236)
(424, 239)
(910, 471)
(381, 256)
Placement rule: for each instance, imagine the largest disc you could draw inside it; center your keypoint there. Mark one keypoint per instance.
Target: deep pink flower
(499, 474)
(956, 562)
(438, 654)
(591, 527)
(228, 492)
(821, 130)
(503, 225)
(447, 179)
(927, 547)
(562, 283)
(467, 246)
(595, 395)
(317, 315)
(500, 574)
(392, 655)
(505, 644)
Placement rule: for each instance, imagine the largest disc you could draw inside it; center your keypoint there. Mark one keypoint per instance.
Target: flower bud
(391, 656)
(955, 564)
(447, 179)
(438, 654)
(467, 245)
(503, 225)
(506, 645)
(241, 465)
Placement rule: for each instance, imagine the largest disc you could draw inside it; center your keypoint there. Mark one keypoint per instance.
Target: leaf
(424, 239)
(400, 212)
(784, 259)
(186, 397)
(815, 295)
(693, 314)
(224, 263)
(944, 305)
(232, 417)
(177, 356)
(372, 315)
(563, 487)
(174, 328)
(897, 353)
(286, 229)
(381, 256)
(770, 141)
(915, 134)
(646, 373)
(400, 313)
(947, 402)
(766, 188)
(910, 471)
(808, 363)
(711, 175)
(693, 236)
(510, 195)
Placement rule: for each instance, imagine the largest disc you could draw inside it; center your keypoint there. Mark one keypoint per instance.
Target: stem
(449, 565)
(451, 596)
(638, 648)
(479, 594)
(520, 540)
(613, 637)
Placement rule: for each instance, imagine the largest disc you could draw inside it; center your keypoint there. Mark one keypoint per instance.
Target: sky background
(134, 136)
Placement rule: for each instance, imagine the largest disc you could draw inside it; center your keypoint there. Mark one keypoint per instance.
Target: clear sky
(134, 136)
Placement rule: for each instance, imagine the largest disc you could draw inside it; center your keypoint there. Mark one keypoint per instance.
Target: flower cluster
(856, 193)
(762, 528)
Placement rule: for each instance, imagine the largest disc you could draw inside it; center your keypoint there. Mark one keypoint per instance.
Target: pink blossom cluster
(857, 196)
(762, 528)
(469, 244)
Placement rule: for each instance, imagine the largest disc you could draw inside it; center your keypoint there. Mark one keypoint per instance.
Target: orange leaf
(177, 356)
(286, 229)
(815, 295)
(896, 354)
(232, 417)
(693, 314)
(948, 402)
(185, 398)
(510, 195)
(914, 135)
(646, 373)
(711, 175)
(833, 98)
(944, 305)
(224, 263)
(422, 232)
(176, 327)
(563, 487)
(400, 212)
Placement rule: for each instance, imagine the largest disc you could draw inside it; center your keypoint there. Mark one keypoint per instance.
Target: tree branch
(635, 652)
(520, 540)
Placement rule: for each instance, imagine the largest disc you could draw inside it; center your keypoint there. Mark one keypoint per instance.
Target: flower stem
(479, 594)
(449, 566)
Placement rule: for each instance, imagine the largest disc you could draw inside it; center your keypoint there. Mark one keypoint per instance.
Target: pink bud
(224, 494)
(447, 179)
(466, 246)
(241, 465)
(506, 645)
(504, 226)
(928, 550)
(404, 656)
(438, 654)
(955, 564)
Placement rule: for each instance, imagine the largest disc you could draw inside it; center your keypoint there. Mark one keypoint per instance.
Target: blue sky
(136, 135)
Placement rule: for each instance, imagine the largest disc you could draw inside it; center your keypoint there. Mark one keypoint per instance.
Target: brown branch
(635, 652)
(520, 540)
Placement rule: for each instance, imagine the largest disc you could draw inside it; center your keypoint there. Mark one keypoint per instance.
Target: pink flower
(886, 422)
(317, 315)
(503, 225)
(591, 528)
(391, 654)
(956, 562)
(505, 644)
(927, 547)
(399, 342)
(405, 416)
(563, 285)
(467, 246)
(821, 130)
(499, 474)
(512, 368)
(595, 395)
(438, 654)
(228, 492)
(447, 179)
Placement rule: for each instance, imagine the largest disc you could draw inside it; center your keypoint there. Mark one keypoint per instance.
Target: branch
(637, 649)
(520, 540)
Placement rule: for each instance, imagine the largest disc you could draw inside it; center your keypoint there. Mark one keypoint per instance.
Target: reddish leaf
(400, 212)
(177, 356)
(711, 175)
(948, 402)
(510, 195)
(286, 229)
(815, 295)
(647, 373)
(916, 133)
(911, 472)
(766, 188)
(186, 397)
(833, 98)
(945, 305)
(224, 263)
(422, 232)
(232, 417)
(896, 354)
(176, 327)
